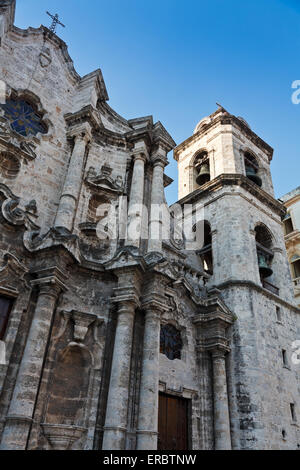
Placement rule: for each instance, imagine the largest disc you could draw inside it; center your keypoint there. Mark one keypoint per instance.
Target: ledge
(258, 288)
(231, 179)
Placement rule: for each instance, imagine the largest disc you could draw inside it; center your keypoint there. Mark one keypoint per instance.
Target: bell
(251, 174)
(264, 268)
(204, 174)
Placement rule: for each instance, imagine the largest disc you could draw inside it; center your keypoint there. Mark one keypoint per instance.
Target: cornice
(167, 180)
(223, 120)
(86, 115)
(162, 137)
(235, 180)
(292, 237)
(105, 136)
(257, 288)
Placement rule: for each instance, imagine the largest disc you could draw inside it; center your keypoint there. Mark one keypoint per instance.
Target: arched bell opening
(202, 167)
(206, 253)
(265, 254)
(252, 169)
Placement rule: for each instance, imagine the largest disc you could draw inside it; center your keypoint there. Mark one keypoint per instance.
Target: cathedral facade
(113, 339)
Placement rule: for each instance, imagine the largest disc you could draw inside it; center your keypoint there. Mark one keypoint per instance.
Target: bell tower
(224, 167)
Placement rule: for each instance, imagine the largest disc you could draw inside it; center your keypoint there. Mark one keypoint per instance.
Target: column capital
(159, 157)
(154, 306)
(50, 281)
(219, 351)
(159, 161)
(140, 149)
(81, 132)
(127, 296)
(127, 306)
(140, 156)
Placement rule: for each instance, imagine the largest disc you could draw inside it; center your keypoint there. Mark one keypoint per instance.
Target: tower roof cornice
(223, 118)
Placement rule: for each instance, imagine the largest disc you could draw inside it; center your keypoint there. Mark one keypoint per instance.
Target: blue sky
(175, 59)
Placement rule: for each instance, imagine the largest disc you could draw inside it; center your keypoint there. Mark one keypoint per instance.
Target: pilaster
(50, 283)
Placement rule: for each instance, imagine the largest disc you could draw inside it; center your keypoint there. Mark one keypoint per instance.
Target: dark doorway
(172, 423)
(5, 309)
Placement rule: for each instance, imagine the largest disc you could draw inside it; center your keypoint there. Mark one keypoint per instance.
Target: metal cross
(55, 22)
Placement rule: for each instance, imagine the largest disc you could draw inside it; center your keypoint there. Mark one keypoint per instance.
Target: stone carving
(82, 321)
(12, 213)
(12, 273)
(62, 437)
(176, 234)
(10, 141)
(45, 58)
(104, 181)
(34, 240)
(31, 207)
(176, 307)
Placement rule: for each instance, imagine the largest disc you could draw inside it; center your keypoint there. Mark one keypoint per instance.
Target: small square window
(278, 314)
(284, 358)
(293, 412)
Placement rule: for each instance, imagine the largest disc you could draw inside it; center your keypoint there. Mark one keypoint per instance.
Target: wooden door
(172, 423)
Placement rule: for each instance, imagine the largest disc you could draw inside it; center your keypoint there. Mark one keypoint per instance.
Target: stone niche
(68, 395)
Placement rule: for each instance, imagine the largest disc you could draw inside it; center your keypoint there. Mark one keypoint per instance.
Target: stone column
(157, 199)
(221, 408)
(136, 201)
(116, 412)
(206, 422)
(147, 431)
(69, 199)
(21, 410)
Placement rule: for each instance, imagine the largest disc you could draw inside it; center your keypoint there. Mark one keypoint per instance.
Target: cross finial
(55, 22)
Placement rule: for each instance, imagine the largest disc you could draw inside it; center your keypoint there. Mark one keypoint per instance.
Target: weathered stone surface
(83, 363)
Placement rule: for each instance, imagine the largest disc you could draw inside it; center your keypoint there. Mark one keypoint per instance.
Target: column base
(147, 440)
(114, 438)
(15, 433)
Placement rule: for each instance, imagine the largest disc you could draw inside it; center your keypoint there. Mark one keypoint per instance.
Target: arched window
(206, 253)
(202, 167)
(265, 254)
(252, 169)
(288, 224)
